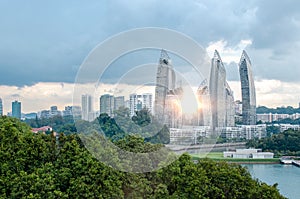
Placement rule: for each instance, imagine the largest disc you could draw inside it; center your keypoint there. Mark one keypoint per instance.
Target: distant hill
(279, 110)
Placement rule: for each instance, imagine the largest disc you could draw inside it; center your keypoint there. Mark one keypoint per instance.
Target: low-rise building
(188, 134)
(244, 132)
(248, 153)
(42, 129)
(284, 127)
(271, 117)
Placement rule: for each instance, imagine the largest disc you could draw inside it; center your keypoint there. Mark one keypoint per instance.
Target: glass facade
(107, 104)
(217, 91)
(165, 82)
(16, 109)
(204, 116)
(248, 91)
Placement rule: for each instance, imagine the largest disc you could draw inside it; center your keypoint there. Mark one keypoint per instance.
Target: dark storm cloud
(277, 24)
(47, 41)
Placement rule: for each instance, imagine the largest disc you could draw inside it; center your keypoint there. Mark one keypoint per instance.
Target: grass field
(218, 156)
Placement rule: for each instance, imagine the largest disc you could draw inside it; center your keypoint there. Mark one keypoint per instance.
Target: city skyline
(110, 89)
(150, 99)
(145, 100)
(269, 32)
(264, 96)
(166, 79)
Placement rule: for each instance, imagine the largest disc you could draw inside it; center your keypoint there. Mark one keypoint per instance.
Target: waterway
(287, 177)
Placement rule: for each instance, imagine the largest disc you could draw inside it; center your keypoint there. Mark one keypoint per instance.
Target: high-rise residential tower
(217, 93)
(107, 104)
(1, 107)
(135, 103)
(16, 109)
(72, 110)
(147, 101)
(230, 106)
(165, 82)
(216, 98)
(138, 102)
(54, 111)
(87, 107)
(248, 90)
(119, 102)
(204, 116)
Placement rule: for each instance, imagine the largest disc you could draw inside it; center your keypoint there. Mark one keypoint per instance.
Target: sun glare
(189, 103)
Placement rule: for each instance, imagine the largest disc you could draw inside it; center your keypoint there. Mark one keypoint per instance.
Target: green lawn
(211, 155)
(218, 156)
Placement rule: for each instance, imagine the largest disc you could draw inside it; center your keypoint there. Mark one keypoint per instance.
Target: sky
(43, 43)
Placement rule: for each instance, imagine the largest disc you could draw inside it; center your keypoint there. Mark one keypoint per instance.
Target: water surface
(287, 177)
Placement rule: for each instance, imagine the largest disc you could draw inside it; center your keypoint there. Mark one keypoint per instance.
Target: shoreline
(233, 162)
(243, 161)
(218, 157)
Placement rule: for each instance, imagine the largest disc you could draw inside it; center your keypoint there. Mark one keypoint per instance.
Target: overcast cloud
(46, 41)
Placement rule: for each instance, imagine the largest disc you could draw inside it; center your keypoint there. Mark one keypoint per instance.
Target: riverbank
(218, 156)
(286, 176)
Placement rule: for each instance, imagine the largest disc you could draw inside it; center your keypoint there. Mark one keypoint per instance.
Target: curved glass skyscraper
(165, 82)
(217, 91)
(248, 90)
(204, 116)
(216, 98)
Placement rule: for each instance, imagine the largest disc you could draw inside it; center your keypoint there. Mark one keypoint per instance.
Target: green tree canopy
(45, 166)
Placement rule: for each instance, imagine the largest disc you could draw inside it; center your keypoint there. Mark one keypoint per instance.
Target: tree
(37, 166)
(285, 143)
(142, 117)
(272, 130)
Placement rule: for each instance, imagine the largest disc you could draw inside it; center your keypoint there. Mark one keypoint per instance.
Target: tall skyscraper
(173, 110)
(54, 111)
(216, 98)
(16, 109)
(45, 114)
(87, 107)
(119, 102)
(1, 107)
(248, 90)
(53, 108)
(165, 82)
(147, 101)
(135, 103)
(107, 104)
(238, 107)
(204, 116)
(72, 110)
(230, 107)
(217, 84)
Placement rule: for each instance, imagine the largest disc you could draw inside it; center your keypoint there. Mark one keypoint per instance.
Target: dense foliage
(59, 123)
(279, 110)
(142, 123)
(287, 121)
(271, 129)
(41, 166)
(285, 143)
